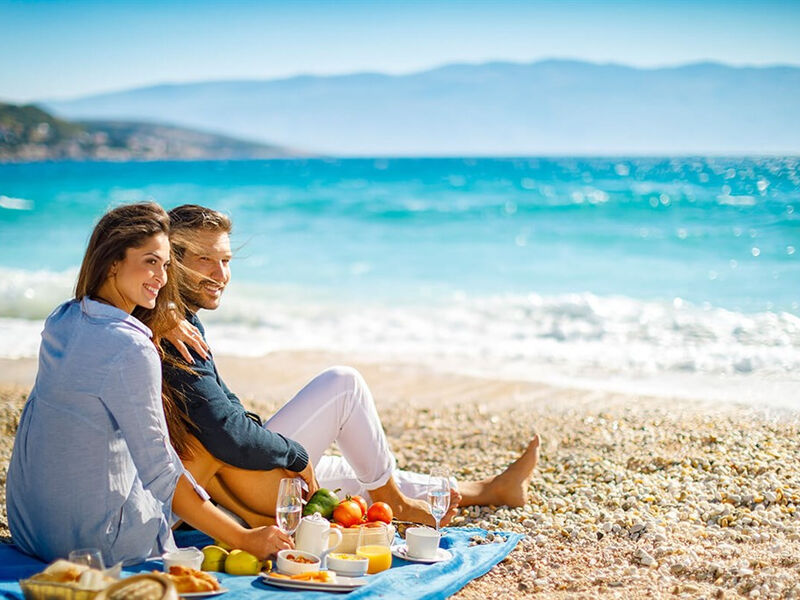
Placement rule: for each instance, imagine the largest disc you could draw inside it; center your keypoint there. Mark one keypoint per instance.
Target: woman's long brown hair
(130, 226)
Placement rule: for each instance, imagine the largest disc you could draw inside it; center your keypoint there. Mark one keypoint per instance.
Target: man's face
(209, 258)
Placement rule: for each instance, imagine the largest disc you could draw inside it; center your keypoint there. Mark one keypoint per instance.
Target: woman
(92, 463)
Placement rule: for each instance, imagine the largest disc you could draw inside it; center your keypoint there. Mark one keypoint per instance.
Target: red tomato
(361, 502)
(348, 513)
(380, 511)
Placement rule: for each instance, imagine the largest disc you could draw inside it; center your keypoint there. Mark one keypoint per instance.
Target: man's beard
(193, 294)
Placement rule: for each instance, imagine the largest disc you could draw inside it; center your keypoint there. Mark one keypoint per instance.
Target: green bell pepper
(323, 502)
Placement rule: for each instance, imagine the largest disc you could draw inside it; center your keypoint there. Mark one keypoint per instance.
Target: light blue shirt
(92, 464)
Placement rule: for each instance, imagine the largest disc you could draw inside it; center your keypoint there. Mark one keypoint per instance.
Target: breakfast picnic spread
(406, 578)
(341, 546)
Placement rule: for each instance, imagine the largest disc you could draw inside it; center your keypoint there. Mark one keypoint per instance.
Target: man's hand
(310, 478)
(185, 333)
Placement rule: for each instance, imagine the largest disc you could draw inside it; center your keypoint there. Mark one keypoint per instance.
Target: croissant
(189, 581)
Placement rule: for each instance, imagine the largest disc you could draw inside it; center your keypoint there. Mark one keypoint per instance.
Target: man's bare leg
(222, 496)
(509, 488)
(250, 494)
(411, 509)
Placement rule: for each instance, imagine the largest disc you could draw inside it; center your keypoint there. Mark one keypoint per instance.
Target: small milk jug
(314, 533)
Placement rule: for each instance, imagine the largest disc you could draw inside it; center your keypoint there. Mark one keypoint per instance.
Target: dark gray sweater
(225, 428)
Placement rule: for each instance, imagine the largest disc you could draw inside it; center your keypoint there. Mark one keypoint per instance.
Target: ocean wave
(11, 203)
(577, 331)
(514, 334)
(33, 294)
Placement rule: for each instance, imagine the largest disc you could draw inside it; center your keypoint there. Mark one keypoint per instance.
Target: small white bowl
(290, 567)
(354, 566)
(185, 557)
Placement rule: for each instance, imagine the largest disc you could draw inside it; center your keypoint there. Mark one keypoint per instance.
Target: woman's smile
(152, 289)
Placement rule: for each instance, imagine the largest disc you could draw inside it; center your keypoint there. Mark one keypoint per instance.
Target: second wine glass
(289, 507)
(91, 557)
(439, 493)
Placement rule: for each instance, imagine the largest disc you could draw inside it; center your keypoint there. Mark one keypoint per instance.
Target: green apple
(214, 558)
(240, 562)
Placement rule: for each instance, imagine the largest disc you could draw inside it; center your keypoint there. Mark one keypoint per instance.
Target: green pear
(214, 558)
(240, 562)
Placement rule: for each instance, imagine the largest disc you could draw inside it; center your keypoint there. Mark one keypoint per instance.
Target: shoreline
(634, 496)
(773, 396)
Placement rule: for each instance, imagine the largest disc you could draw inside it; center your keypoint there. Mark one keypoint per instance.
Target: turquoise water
(526, 260)
(716, 231)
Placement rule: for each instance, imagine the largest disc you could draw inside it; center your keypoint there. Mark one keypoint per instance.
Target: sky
(58, 49)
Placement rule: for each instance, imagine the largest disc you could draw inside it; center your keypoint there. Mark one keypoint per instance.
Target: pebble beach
(634, 496)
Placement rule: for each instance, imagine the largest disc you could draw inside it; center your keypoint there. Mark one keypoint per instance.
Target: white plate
(402, 552)
(221, 590)
(342, 584)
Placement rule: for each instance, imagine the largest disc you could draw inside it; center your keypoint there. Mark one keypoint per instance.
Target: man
(240, 461)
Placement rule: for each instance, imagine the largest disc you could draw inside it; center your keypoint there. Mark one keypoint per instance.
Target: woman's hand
(263, 542)
(185, 333)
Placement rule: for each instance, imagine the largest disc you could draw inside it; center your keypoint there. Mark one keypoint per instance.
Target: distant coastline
(30, 134)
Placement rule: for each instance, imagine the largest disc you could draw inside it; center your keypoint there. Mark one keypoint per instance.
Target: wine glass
(439, 493)
(289, 505)
(91, 557)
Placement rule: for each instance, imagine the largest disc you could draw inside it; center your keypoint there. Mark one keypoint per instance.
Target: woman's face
(136, 279)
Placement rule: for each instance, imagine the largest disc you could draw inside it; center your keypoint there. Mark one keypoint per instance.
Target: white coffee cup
(313, 535)
(422, 542)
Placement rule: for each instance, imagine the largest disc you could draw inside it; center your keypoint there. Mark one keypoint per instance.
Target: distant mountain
(549, 107)
(28, 133)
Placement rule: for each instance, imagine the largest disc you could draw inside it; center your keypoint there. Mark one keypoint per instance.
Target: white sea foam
(33, 294)
(669, 346)
(11, 203)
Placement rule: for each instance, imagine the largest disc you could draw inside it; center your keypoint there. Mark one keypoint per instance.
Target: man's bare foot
(510, 487)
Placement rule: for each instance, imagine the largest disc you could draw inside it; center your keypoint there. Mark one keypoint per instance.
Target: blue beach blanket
(405, 580)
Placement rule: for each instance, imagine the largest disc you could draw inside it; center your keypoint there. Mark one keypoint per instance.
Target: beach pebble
(643, 558)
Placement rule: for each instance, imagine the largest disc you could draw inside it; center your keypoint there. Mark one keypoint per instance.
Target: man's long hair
(184, 222)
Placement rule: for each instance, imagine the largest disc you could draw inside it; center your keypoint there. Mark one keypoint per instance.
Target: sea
(667, 276)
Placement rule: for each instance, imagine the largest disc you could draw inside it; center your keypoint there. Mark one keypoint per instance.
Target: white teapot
(313, 535)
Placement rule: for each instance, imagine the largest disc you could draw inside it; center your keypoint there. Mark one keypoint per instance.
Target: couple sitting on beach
(107, 457)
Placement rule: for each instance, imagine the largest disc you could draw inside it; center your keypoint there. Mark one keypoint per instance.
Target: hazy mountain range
(548, 107)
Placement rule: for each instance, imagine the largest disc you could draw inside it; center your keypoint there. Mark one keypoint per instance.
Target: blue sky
(60, 49)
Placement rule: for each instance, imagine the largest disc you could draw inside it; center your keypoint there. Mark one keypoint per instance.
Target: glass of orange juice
(374, 544)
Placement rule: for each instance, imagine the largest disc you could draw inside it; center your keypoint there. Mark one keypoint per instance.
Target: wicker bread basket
(148, 586)
(49, 590)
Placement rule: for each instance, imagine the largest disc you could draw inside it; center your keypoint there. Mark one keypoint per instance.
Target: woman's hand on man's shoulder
(185, 335)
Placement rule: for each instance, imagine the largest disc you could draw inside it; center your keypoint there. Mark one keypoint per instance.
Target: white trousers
(337, 406)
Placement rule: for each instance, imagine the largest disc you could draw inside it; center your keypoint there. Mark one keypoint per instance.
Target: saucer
(402, 552)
